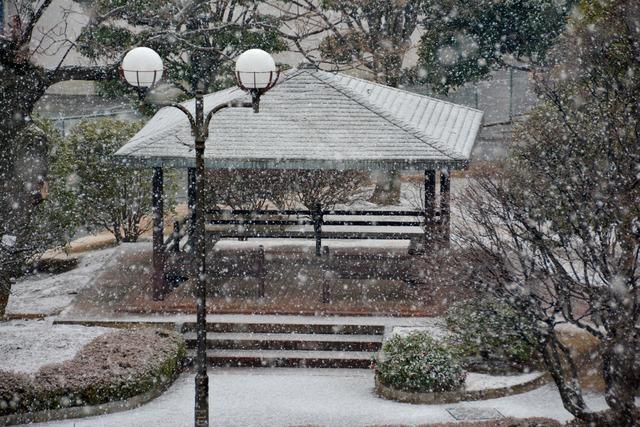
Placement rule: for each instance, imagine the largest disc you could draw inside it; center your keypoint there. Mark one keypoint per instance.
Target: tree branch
(79, 72)
(33, 20)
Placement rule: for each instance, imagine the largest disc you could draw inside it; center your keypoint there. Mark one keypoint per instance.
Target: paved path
(307, 397)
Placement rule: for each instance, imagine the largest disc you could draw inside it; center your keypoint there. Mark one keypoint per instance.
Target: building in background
(504, 98)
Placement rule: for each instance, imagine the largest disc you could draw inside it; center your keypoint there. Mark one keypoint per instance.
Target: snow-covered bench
(317, 224)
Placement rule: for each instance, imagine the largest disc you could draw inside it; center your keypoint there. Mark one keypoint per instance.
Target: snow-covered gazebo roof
(314, 119)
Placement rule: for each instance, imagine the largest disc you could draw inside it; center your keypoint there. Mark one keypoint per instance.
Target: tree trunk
(23, 166)
(387, 191)
(5, 290)
(620, 379)
(392, 68)
(23, 157)
(564, 374)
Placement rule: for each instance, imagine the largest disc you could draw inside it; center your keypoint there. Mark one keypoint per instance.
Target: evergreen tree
(465, 40)
(108, 194)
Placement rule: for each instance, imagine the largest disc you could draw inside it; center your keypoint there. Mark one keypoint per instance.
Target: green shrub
(114, 366)
(108, 194)
(488, 329)
(417, 362)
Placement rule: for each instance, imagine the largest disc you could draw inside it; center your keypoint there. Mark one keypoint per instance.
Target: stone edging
(87, 411)
(457, 396)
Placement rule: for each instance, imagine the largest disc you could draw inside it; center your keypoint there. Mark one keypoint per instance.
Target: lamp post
(256, 73)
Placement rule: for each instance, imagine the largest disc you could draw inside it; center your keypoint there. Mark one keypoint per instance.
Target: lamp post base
(202, 401)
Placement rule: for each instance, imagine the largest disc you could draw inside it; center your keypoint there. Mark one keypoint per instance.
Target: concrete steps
(288, 358)
(288, 344)
(292, 328)
(288, 341)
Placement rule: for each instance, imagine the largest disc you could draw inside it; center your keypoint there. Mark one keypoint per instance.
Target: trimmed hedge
(418, 363)
(16, 392)
(114, 366)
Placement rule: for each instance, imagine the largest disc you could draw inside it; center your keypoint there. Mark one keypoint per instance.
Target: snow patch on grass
(475, 381)
(49, 294)
(27, 345)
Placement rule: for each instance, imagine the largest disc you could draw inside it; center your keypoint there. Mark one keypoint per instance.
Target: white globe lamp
(142, 67)
(256, 71)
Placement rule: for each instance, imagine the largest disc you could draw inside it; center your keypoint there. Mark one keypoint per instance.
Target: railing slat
(259, 222)
(374, 223)
(241, 223)
(229, 212)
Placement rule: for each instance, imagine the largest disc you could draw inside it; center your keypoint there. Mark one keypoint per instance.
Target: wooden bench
(317, 225)
(246, 261)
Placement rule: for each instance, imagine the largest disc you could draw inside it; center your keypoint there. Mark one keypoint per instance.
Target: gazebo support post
(429, 206)
(317, 227)
(445, 206)
(158, 234)
(191, 202)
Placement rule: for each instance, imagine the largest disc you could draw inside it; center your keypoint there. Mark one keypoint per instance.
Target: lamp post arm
(205, 130)
(192, 120)
(234, 104)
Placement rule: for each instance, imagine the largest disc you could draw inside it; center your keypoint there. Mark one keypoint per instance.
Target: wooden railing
(317, 224)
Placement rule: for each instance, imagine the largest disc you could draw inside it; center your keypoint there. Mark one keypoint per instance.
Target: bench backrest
(333, 224)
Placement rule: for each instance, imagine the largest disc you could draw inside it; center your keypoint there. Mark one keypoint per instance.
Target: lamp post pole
(200, 130)
(256, 73)
(202, 379)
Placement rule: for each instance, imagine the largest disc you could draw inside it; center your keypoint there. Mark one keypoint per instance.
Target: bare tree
(371, 36)
(327, 188)
(246, 189)
(198, 40)
(556, 231)
(250, 189)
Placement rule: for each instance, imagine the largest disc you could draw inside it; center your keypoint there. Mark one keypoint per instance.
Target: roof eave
(323, 164)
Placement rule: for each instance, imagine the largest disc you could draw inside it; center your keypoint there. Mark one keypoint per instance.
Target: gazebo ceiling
(315, 120)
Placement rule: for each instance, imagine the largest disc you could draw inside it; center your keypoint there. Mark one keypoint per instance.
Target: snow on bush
(487, 329)
(16, 392)
(114, 366)
(417, 362)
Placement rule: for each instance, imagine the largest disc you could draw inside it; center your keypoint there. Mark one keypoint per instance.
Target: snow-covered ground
(49, 294)
(476, 382)
(26, 345)
(318, 397)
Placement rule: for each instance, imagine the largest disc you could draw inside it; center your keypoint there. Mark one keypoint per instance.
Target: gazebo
(318, 120)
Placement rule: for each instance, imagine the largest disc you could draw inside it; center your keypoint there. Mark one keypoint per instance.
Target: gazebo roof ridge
(407, 127)
(406, 93)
